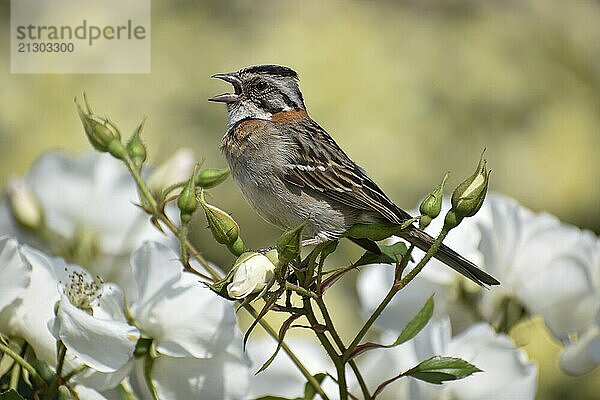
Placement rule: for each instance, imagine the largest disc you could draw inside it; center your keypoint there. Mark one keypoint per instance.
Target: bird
(291, 171)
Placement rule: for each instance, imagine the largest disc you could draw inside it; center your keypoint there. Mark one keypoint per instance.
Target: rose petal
(104, 345)
(15, 272)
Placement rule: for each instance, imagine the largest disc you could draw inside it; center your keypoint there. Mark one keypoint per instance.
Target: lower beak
(234, 79)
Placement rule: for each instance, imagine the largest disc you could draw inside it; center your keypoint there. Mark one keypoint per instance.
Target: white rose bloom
(91, 323)
(582, 351)
(252, 273)
(30, 313)
(27, 316)
(507, 374)
(15, 272)
(549, 267)
(282, 369)
(86, 393)
(177, 168)
(190, 326)
(583, 355)
(225, 375)
(89, 199)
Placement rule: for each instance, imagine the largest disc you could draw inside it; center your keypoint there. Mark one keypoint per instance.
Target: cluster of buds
(105, 137)
(467, 198)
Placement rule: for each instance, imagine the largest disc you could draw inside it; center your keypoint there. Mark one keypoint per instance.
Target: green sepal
(11, 394)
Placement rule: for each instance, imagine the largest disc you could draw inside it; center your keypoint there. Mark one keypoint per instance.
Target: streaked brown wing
(328, 170)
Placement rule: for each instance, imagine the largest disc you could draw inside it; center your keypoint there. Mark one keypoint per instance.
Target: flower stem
(340, 366)
(336, 337)
(74, 372)
(430, 253)
(396, 287)
(15, 374)
(146, 195)
(62, 352)
(23, 363)
(300, 290)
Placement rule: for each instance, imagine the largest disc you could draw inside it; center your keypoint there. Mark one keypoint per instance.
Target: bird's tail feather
(449, 257)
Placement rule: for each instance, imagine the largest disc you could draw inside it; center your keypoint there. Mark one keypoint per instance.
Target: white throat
(242, 110)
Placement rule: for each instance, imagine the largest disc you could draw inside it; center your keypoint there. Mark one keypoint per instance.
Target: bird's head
(260, 92)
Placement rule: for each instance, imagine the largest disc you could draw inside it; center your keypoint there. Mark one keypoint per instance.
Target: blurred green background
(409, 88)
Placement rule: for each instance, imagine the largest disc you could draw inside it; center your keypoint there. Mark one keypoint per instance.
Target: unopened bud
(24, 204)
(224, 228)
(432, 204)
(187, 201)
(211, 177)
(289, 245)
(136, 148)
(102, 134)
(469, 195)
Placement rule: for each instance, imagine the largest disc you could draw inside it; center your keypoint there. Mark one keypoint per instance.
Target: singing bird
(290, 170)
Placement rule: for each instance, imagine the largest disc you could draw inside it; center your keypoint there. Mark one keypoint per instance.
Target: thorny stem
(396, 287)
(147, 196)
(316, 385)
(340, 366)
(430, 253)
(336, 337)
(300, 290)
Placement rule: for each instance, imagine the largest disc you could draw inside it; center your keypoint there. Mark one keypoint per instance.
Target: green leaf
(372, 231)
(411, 329)
(394, 251)
(11, 394)
(309, 390)
(389, 255)
(417, 323)
(439, 369)
(273, 398)
(288, 245)
(269, 303)
(436, 370)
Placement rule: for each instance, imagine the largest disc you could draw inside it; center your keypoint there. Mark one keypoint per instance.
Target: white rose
(252, 272)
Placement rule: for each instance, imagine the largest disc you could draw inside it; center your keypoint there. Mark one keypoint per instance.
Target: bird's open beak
(235, 80)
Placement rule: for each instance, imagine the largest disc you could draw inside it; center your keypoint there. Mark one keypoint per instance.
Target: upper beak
(235, 80)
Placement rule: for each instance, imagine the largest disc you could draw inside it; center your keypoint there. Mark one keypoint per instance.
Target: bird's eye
(261, 86)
